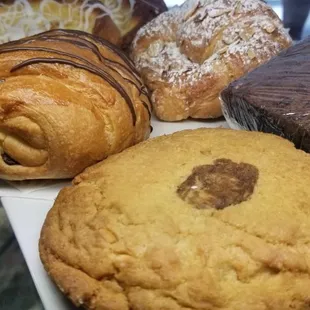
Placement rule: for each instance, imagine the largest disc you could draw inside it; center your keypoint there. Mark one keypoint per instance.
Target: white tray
(27, 204)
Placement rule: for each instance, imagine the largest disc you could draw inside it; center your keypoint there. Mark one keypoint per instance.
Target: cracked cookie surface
(122, 237)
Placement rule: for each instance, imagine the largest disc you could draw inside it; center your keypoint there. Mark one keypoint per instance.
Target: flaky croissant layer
(67, 101)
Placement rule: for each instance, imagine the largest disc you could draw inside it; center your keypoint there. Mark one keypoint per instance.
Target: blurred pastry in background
(186, 56)
(114, 20)
(67, 100)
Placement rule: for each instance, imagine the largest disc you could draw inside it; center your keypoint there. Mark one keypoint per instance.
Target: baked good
(67, 100)
(201, 219)
(186, 56)
(275, 97)
(114, 20)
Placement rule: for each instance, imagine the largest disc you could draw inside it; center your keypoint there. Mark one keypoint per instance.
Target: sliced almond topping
(174, 66)
(155, 48)
(192, 11)
(223, 50)
(218, 12)
(201, 17)
(238, 7)
(246, 34)
(230, 39)
(270, 28)
(251, 53)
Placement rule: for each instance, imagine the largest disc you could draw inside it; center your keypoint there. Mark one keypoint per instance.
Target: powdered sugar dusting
(242, 32)
(162, 26)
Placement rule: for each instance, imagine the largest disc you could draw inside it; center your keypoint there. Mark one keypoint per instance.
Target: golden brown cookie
(202, 219)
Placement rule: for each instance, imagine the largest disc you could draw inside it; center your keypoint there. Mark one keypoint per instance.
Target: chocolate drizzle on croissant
(68, 100)
(84, 41)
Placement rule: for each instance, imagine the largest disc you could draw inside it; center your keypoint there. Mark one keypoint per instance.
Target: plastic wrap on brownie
(274, 98)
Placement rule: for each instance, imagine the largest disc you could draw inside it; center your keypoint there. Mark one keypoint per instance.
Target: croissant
(67, 100)
(188, 55)
(114, 20)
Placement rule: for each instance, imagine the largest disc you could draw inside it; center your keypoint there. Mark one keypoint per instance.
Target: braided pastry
(67, 101)
(189, 54)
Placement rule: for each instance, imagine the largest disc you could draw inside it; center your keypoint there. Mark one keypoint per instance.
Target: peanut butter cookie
(201, 219)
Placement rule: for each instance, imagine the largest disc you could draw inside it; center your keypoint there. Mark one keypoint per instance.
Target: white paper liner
(41, 189)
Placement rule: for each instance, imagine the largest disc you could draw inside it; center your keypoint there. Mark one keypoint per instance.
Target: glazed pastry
(275, 97)
(189, 54)
(114, 20)
(209, 219)
(67, 101)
